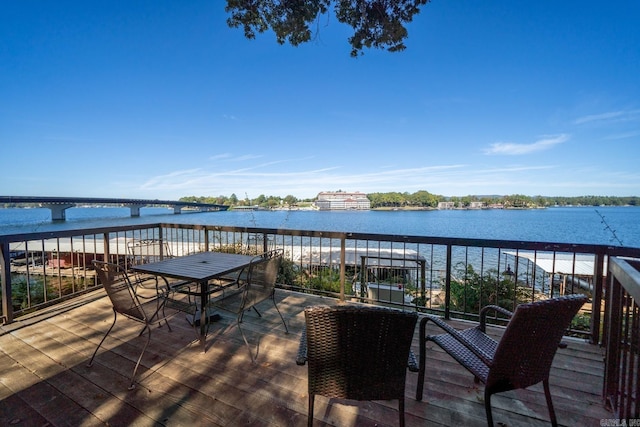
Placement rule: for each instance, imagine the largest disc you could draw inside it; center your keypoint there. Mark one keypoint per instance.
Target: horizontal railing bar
(627, 275)
(453, 241)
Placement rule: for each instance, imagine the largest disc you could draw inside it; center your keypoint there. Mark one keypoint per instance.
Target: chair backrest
(262, 276)
(116, 283)
(146, 251)
(358, 352)
(530, 341)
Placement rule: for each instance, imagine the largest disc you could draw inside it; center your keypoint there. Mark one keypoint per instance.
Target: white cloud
(513, 149)
(231, 158)
(220, 156)
(609, 117)
(246, 157)
(623, 135)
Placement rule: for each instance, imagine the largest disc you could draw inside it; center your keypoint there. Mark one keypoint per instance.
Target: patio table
(200, 268)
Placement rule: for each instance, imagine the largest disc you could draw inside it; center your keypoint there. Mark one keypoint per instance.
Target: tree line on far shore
(427, 200)
(424, 199)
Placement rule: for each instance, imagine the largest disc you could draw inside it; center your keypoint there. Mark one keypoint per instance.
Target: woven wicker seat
(521, 358)
(359, 353)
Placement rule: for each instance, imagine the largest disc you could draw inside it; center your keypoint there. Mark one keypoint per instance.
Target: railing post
(105, 244)
(364, 275)
(596, 302)
(613, 323)
(423, 280)
(342, 266)
(447, 285)
(5, 277)
(161, 240)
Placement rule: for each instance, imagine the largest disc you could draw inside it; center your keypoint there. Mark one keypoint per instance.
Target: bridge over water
(58, 205)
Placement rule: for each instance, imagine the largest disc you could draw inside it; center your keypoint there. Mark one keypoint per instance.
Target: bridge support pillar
(177, 209)
(135, 209)
(58, 211)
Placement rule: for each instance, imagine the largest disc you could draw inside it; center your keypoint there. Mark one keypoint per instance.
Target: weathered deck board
(44, 377)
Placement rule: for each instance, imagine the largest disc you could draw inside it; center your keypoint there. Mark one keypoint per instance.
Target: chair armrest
(301, 358)
(484, 357)
(412, 363)
(141, 283)
(485, 310)
(224, 293)
(139, 279)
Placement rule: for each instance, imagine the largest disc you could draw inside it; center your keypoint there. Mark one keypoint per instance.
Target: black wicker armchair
(359, 353)
(521, 358)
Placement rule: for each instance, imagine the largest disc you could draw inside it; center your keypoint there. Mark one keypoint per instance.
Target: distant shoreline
(511, 208)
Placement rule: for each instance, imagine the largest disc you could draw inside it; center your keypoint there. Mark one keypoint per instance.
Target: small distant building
(446, 205)
(342, 200)
(476, 205)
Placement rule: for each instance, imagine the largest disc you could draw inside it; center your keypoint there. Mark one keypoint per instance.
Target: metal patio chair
(126, 302)
(359, 353)
(521, 358)
(148, 250)
(153, 250)
(251, 289)
(144, 252)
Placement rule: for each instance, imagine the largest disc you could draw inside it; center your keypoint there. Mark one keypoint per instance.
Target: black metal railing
(451, 276)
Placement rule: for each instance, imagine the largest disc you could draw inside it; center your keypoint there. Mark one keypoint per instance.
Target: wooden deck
(44, 379)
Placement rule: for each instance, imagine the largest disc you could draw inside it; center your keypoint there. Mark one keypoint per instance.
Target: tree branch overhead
(377, 24)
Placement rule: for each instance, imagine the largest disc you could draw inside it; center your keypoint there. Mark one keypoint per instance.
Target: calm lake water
(573, 225)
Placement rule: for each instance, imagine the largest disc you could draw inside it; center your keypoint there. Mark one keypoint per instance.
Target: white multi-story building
(446, 205)
(341, 200)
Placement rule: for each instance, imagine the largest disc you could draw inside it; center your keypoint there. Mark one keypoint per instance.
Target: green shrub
(471, 291)
(289, 273)
(325, 279)
(24, 294)
(581, 322)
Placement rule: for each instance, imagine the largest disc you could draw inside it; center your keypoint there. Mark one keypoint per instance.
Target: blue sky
(161, 99)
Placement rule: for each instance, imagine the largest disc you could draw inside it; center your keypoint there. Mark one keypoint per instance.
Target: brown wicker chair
(359, 353)
(523, 356)
(125, 301)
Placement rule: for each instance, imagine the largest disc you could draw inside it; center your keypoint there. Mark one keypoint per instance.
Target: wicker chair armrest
(412, 363)
(486, 309)
(486, 358)
(301, 357)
